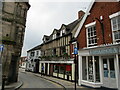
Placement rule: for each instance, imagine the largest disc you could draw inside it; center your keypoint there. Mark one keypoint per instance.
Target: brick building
(99, 48)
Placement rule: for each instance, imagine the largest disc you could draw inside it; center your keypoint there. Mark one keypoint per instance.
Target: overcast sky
(44, 17)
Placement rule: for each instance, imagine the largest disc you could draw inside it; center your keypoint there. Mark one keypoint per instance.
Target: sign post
(75, 61)
(1, 84)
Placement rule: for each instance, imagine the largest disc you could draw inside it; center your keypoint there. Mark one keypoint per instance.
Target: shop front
(60, 69)
(99, 66)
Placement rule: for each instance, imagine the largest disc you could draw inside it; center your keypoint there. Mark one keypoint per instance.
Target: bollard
(4, 78)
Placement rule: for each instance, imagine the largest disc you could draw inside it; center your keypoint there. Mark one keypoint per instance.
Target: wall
(99, 9)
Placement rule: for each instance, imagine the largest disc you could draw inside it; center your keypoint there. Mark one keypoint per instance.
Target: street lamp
(102, 28)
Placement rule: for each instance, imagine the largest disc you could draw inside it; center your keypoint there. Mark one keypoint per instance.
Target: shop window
(105, 67)
(68, 70)
(90, 69)
(97, 70)
(112, 69)
(119, 63)
(56, 67)
(61, 69)
(84, 68)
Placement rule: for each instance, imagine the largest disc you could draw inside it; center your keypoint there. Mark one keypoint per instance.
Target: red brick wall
(99, 9)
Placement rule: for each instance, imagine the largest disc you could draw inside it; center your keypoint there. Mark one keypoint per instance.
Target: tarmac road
(31, 81)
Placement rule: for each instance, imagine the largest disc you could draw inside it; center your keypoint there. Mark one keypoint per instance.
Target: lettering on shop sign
(104, 51)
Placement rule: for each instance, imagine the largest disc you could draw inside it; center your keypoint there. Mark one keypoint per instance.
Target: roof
(68, 27)
(84, 18)
(35, 48)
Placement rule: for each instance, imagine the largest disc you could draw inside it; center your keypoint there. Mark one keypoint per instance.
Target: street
(31, 81)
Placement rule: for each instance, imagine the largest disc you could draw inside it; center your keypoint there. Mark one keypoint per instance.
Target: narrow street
(31, 81)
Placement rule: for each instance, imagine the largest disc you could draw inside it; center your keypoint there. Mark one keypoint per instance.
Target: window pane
(97, 71)
(119, 63)
(84, 68)
(56, 68)
(117, 35)
(105, 67)
(92, 36)
(90, 69)
(112, 69)
(61, 69)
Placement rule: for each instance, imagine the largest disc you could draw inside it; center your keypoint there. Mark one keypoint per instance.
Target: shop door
(109, 79)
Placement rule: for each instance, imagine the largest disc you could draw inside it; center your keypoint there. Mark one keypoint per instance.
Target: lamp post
(75, 61)
(102, 28)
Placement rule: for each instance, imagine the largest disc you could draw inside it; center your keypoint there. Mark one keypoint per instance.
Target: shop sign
(104, 51)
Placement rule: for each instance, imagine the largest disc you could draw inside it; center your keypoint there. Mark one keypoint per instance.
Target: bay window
(90, 68)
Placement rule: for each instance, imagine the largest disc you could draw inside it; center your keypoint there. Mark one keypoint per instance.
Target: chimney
(80, 14)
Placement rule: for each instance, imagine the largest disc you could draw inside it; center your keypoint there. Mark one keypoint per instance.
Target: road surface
(31, 81)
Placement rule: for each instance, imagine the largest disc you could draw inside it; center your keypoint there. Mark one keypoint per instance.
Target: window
(54, 36)
(37, 53)
(62, 32)
(91, 35)
(115, 23)
(84, 68)
(56, 67)
(61, 69)
(97, 69)
(32, 54)
(88, 69)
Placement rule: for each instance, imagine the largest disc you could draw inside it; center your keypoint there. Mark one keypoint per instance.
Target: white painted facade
(30, 65)
(107, 65)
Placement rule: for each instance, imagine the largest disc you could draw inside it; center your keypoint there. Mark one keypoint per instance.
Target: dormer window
(54, 36)
(62, 32)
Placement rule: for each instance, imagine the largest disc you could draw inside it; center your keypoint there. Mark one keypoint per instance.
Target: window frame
(114, 16)
(90, 25)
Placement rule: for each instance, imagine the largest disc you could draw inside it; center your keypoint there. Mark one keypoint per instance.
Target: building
(33, 57)
(12, 34)
(22, 62)
(99, 48)
(55, 51)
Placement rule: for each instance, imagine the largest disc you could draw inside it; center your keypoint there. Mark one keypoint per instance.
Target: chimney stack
(80, 14)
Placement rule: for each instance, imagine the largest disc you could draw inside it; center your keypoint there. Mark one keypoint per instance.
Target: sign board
(1, 48)
(75, 50)
(113, 50)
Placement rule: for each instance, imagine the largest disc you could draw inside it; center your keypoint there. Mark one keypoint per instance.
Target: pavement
(14, 86)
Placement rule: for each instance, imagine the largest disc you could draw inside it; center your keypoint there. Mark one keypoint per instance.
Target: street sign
(75, 50)
(1, 48)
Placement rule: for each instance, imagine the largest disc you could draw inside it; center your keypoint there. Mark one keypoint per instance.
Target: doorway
(109, 78)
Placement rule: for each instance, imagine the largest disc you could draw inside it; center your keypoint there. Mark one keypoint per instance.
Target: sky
(45, 16)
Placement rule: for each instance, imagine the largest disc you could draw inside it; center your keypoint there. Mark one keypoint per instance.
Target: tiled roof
(35, 48)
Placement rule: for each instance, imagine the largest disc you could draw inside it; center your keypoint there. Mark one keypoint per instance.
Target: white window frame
(74, 45)
(111, 17)
(87, 26)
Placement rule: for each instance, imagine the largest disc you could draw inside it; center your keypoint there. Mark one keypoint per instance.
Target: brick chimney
(80, 14)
